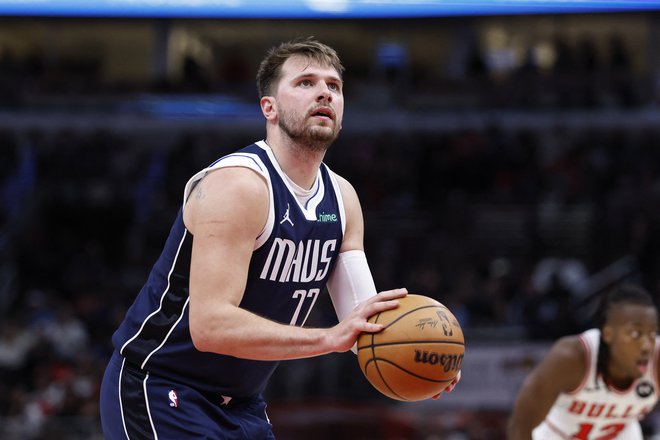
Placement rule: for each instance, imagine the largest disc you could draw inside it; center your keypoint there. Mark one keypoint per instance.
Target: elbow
(201, 325)
(210, 333)
(204, 329)
(201, 337)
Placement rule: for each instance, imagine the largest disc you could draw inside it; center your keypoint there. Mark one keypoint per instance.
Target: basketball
(418, 352)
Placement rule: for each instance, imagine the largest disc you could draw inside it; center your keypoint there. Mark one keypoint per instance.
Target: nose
(324, 92)
(647, 344)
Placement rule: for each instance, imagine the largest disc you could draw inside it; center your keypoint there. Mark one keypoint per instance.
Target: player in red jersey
(596, 385)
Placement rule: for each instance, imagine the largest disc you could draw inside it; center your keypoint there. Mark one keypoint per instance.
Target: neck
(298, 162)
(618, 383)
(615, 377)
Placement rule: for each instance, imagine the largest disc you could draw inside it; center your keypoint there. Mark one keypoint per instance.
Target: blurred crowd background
(508, 166)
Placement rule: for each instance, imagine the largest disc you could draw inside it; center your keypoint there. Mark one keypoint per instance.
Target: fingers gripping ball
(417, 354)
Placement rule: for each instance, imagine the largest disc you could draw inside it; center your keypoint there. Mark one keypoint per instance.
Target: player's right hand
(346, 332)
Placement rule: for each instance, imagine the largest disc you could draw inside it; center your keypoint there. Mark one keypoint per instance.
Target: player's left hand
(449, 388)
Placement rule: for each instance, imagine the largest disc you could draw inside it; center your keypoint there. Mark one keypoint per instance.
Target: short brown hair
(271, 66)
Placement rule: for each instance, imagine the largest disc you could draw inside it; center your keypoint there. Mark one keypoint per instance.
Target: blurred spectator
(66, 334)
(16, 344)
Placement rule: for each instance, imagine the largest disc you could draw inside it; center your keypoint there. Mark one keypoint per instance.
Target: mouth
(642, 365)
(324, 113)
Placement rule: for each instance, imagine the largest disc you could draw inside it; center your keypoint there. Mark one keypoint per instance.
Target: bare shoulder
(354, 233)
(569, 348)
(347, 189)
(349, 197)
(225, 194)
(566, 362)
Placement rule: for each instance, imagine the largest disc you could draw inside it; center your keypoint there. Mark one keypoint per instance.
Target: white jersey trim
(309, 208)
(340, 200)
(121, 401)
(148, 405)
(245, 160)
(160, 306)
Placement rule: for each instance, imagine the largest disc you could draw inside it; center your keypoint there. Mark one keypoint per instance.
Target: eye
(635, 334)
(306, 83)
(334, 87)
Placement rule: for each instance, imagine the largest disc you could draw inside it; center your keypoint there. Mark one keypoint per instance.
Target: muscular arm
(562, 370)
(225, 213)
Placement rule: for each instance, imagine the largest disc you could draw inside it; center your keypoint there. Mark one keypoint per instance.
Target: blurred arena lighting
(312, 8)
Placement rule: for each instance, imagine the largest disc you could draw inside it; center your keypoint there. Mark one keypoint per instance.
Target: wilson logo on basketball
(449, 362)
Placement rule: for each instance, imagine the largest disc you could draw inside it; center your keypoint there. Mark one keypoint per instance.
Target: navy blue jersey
(292, 259)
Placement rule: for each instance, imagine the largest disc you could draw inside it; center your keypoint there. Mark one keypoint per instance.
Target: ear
(268, 107)
(607, 333)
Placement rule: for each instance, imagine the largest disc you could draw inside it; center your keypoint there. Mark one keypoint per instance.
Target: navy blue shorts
(136, 405)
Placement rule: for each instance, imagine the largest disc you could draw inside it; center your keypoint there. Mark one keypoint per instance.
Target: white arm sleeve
(350, 283)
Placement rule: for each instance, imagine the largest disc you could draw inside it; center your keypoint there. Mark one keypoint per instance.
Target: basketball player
(260, 234)
(598, 384)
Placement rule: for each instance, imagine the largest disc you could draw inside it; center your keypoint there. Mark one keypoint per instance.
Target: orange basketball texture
(417, 354)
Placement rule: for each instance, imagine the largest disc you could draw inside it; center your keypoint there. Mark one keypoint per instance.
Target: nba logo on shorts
(174, 399)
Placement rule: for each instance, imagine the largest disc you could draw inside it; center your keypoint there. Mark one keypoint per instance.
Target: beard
(314, 138)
